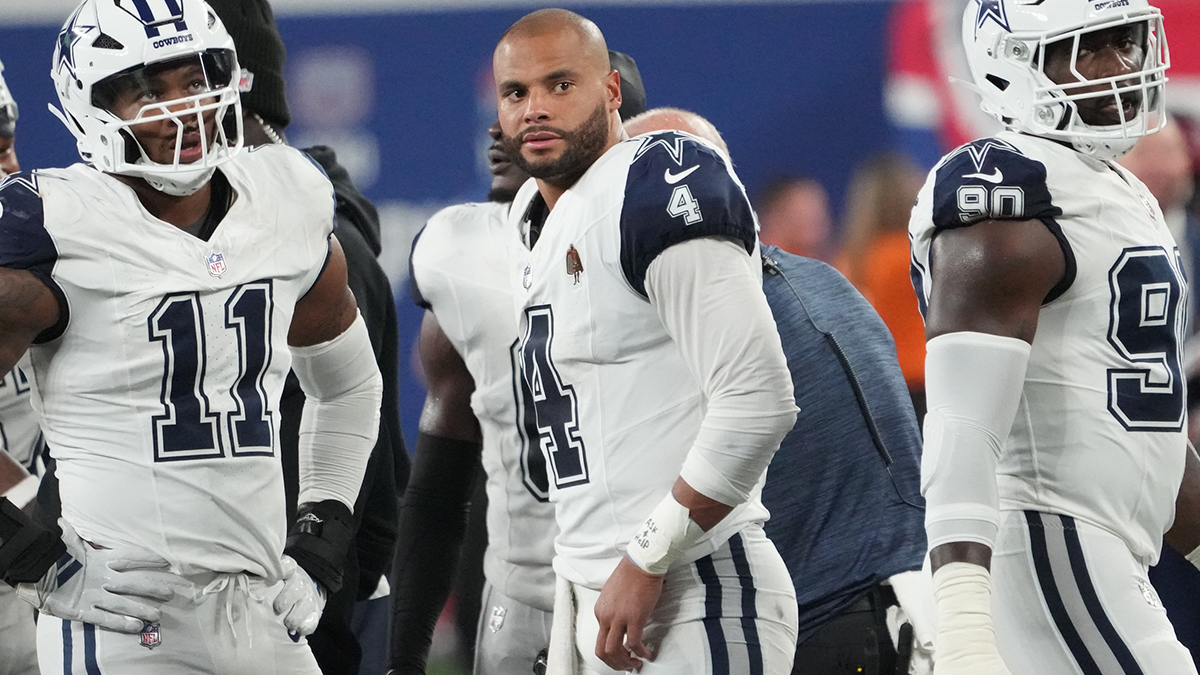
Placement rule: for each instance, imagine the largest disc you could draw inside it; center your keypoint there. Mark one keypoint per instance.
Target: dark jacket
(844, 488)
(375, 512)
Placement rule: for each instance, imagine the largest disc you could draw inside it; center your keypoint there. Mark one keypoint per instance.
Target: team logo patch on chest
(216, 264)
(151, 636)
(574, 264)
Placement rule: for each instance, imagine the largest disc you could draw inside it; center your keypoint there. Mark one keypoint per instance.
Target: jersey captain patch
(678, 189)
(990, 180)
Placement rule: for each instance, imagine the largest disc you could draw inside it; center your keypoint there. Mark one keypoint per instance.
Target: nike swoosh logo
(673, 178)
(995, 178)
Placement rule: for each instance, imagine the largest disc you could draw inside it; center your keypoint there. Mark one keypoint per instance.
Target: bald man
(653, 380)
(675, 119)
(459, 266)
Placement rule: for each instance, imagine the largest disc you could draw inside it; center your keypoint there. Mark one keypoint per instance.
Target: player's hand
(117, 589)
(301, 600)
(625, 604)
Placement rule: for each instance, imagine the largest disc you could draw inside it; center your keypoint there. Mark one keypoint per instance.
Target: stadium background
(402, 90)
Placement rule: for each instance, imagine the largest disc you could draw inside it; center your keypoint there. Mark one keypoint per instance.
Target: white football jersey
(159, 389)
(1100, 432)
(459, 270)
(614, 403)
(20, 434)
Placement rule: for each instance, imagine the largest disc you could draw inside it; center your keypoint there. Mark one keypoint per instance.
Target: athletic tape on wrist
(1194, 557)
(665, 536)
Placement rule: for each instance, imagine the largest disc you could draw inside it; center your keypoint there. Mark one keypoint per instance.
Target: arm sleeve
(973, 383)
(342, 389)
(708, 294)
(433, 523)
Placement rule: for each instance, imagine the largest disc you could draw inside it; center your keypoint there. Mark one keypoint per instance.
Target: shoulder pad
(990, 179)
(678, 189)
(24, 242)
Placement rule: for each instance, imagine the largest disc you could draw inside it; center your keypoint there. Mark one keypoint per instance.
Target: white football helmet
(111, 51)
(1006, 43)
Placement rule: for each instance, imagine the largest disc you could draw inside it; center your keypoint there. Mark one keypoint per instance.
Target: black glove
(27, 549)
(319, 540)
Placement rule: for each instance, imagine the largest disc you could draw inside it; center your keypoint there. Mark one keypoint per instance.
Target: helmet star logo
(68, 38)
(994, 10)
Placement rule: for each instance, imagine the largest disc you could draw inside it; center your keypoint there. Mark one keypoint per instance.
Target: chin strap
(181, 183)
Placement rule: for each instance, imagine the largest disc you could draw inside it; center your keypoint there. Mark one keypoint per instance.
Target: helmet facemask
(1010, 46)
(1134, 100)
(207, 122)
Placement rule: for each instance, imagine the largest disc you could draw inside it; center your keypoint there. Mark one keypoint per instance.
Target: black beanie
(633, 94)
(260, 53)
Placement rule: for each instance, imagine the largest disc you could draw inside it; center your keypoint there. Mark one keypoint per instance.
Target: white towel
(562, 658)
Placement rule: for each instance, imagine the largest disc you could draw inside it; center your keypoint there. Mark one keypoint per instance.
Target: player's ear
(613, 84)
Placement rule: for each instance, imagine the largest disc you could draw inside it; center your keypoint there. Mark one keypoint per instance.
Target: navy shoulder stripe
(24, 242)
(990, 179)
(678, 189)
(414, 291)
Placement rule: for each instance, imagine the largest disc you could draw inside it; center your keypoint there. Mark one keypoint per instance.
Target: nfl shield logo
(216, 264)
(497, 620)
(150, 637)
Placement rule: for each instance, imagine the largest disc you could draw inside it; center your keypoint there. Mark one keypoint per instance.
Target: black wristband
(319, 539)
(27, 549)
(433, 522)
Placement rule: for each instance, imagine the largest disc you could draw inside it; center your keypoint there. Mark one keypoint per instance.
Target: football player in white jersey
(1055, 442)
(20, 442)
(163, 290)
(459, 268)
(652, 368)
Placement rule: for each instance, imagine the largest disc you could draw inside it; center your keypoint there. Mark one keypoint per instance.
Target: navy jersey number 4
(1146, 327)
(555, 408)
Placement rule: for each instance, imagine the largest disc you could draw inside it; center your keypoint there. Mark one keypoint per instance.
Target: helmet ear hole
(999, 82)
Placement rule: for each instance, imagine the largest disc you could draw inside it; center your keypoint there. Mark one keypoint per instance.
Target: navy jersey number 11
(187, 428)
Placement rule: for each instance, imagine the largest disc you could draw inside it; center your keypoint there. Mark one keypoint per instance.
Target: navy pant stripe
(67, 648)
(1058, 610)
(712, 615)
(1092, 601)
(749, 604)
(89, 649)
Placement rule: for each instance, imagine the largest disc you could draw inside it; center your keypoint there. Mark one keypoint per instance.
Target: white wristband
(665, 536)
(24, 492)
(1194, 557)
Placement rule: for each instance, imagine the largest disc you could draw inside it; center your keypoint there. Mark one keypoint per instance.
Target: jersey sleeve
(679, 189)
(990, 180)
(24, 242)
(414, 288)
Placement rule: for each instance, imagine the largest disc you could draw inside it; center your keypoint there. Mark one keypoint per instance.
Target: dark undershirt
(218, 207)
(536, 217)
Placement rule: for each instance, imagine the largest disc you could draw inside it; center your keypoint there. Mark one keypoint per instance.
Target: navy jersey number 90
(1146, 327)
(555, 408)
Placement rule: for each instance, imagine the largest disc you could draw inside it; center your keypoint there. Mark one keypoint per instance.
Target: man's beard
(583, 146)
